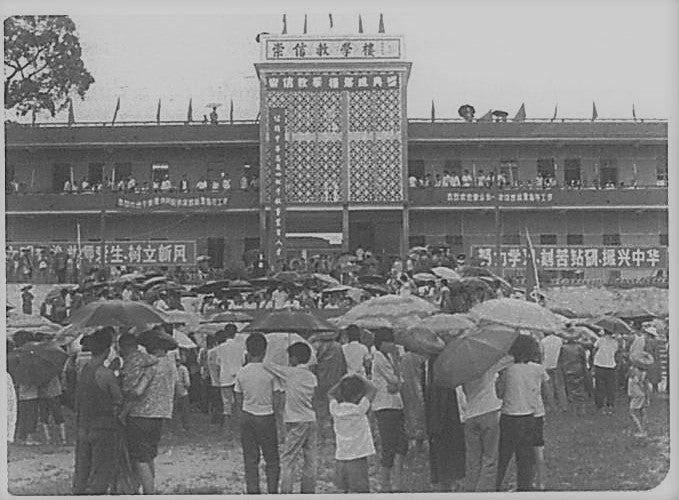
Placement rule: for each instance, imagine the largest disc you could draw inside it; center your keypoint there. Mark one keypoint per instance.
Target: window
(546, 167)
(572, 171)
(454, 167)
(95, 173)
(251, 244)
(9, 177)
(417, 241)
(454, 240)
(548, 239)
(574, 239)
(664, 240)
(608, 172)
(159, 171)
(510, 169)
(612, 239)
(661, 171)
(511, 239)
(121, 171)
(416, 168)
(61, 172)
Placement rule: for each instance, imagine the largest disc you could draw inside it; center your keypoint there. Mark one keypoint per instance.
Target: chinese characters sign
(325, 82)
(122, 253)
(316, 49)
(277, 145)
(513, 197)
(153, 201)
(577, 257)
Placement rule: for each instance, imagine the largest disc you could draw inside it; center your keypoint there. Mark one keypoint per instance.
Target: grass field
(595, 452)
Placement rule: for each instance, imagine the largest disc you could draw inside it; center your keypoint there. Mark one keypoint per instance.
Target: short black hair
(99, 341)
(301, 352)
(525, 349)
(256, 344)
(127, 339)
(230, 330)
(23, 337)
(221, 336)
(382, 334)
(353, 333)
(351, 389)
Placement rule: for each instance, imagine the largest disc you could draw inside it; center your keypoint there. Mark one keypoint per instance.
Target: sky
(489, 53)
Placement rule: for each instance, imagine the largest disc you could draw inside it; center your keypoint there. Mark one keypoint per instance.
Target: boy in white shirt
(301, 430)
(350, 402)
(254, 396)
(356, 354)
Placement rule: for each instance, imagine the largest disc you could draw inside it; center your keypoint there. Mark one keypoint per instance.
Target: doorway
(361, 234)
(215, 250)
(61, 172)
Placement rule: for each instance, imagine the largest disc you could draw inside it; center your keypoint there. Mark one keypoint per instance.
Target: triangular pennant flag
(532, 281)
(33, 116)
(556, 107)
(285, 25)
(331, 23)
(189, 114)
(595, 114)
(305, 24)
(360, 24)
(488, 117)
(115, 112)
(71, 115)
(231, 112)
(433, 111)
(634, 113)
(521, 114)
(381, 27)
(158, 113)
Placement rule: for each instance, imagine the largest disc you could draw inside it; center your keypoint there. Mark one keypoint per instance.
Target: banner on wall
(278, 198)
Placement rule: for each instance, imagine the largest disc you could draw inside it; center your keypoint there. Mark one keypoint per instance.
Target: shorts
(391, 426)
(538, 431)
(143, 436)
(50, 406)
(351, 476)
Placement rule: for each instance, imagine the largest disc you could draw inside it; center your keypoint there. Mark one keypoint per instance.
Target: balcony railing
(537, 198)
(208, 201)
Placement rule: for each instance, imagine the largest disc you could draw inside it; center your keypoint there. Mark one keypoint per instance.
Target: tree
(43, 64)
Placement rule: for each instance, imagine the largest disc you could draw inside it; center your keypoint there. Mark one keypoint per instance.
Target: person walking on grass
(350, 401)
(301, 429)
(638, 390)
(27, 400)
(224, 360)
(181, 395)
(254, 392)
(49, 401)
(604, 362)
(388, 408)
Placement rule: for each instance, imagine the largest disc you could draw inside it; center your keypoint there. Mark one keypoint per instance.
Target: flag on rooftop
(634, 112)
(305, 24)
(231, 111)
(71, 114)
(360, 24)
(189, 114)
(532, 281)
(381, 27)
(488, 117)
(115, 112)
(433, 111)
(595, 114)
(285, 25)
(521, 114)
(556, 107)
(158, 113)
(331, 23)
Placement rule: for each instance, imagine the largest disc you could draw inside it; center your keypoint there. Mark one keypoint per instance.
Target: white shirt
(257, 386)
(352, 430)
(299, 384)
(127, 294)
(606, 347)
(480, 393)
(382, 373)
(638, 344)
(355, 354)
(161, 305)
(224, 361)
(279, 298)
(552, 347)
(522, 385)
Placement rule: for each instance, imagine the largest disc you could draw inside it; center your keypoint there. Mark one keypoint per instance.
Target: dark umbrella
(229, 317)
(239, 283)
(472, 271)
(613, 325)
(264, 282)
(92, 285)
(211, 286)
(372, 279)
(635, 313)
(301, 322)
(468, 357)
(117, 313)
(564, 311)
(148, 283)
(288, 277)
(376, 289)
(36, 363)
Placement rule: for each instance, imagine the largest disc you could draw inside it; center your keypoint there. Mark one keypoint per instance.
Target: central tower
(333, 133)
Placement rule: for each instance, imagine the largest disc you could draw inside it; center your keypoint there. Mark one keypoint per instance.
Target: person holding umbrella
(27, 299)
(572, 365)
(97, 405)
(27, 397)
(604, 363)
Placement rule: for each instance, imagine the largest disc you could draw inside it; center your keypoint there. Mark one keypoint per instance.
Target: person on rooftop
(214, 119)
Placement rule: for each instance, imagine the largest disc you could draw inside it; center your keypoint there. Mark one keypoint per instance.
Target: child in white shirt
(350, 402)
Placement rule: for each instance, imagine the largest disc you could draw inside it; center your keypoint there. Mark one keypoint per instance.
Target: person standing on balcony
(215, 185)
(201, 185)
(467, 179)
(226, 182)
(244, 182)
(481, 179)
(184, 184)
(214, 118)
(131, 184)
(67, 186)
(27, 300)
(165, 184)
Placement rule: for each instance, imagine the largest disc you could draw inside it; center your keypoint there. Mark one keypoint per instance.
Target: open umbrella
(302, 322)
(372, 279)
(117, 313)
(420, 340)
(182, 318)
(35, 363)
(376, 289)
(211, 286)
(516, 313)
(288, 277)
(129, 278)
(277, 344)
(475, 271)
(446, 273)
(448, 326)
(336, 288)
(391, 307)
(149, 282)
(564, 311)
(424, 277)
(183, 340)
(613, 325)
(165, 287)
(68, 334)
(635, 313)
(470, 355)
(19, 320)
(325, 278)
(228, 317)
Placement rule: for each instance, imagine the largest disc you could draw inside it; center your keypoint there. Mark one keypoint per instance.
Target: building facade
(334, 153)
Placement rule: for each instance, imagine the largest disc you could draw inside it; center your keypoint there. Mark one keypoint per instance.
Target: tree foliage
(43, 64)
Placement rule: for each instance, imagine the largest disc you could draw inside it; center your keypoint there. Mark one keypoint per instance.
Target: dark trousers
(95, 461)
(516, 438)
(27, 418)
(181, 411)
(214, 397)
(259, 437)
(605, 387)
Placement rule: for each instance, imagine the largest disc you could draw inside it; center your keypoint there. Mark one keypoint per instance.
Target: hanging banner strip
(278, 199)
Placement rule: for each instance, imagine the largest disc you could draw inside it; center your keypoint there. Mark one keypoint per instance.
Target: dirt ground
(582, 453)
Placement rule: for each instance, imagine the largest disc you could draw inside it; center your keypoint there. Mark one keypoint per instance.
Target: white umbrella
(446, 273)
